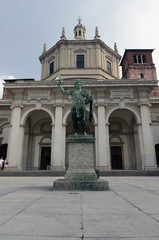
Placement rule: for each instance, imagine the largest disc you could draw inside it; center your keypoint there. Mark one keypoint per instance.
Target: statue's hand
(58, 79)
(91, 118)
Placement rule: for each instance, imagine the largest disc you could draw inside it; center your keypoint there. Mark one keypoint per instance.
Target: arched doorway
(37, 140)
(124, 140)
(4, 135)
(157, 153)
(45, 152)
(116, 152)
(3, 150)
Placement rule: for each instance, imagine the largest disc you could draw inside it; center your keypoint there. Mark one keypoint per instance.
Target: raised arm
(62, 89)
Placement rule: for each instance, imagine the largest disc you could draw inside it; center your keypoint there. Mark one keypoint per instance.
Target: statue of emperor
(78, 110)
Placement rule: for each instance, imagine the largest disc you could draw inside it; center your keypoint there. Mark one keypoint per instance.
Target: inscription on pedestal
(80, 156)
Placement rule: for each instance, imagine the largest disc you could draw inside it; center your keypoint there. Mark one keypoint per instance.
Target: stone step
(111, 173)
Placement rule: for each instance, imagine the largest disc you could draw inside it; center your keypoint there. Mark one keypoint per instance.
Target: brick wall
(133, 70)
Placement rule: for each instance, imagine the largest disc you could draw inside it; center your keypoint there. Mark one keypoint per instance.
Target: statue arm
(62, 89)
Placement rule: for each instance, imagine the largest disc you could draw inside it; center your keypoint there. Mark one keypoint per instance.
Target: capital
(16, 106)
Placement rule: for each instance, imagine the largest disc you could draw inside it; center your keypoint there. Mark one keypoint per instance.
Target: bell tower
(79, 30)
(138, 63)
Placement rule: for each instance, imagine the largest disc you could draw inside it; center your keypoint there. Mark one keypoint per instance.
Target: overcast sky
(27, 24)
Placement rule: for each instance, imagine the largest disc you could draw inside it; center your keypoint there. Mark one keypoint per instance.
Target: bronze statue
(79, 99)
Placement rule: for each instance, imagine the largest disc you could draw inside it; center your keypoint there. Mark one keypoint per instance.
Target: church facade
(36, 117)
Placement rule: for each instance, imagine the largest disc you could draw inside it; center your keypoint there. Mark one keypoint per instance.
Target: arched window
(139, 58)
(142, 75)
(143, 59)
(135, 59)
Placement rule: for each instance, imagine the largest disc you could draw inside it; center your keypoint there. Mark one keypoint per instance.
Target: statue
(79, 99)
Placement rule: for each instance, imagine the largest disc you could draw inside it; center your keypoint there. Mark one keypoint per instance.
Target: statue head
(78, 84)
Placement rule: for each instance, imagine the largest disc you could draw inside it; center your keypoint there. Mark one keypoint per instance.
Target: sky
(27, 24)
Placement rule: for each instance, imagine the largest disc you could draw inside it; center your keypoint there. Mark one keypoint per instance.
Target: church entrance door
(45, 157)
(116, 157)
(157, 153)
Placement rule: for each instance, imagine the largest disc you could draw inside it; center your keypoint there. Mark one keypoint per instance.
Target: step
(49, 173)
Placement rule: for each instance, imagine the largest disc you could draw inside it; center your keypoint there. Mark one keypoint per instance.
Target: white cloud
(2, 77)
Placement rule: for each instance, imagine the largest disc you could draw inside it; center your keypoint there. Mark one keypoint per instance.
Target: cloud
(2, 77)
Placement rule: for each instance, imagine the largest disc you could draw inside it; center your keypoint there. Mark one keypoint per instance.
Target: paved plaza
(30, 210)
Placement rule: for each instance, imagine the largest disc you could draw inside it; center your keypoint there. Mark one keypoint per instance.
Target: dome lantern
(79, 30)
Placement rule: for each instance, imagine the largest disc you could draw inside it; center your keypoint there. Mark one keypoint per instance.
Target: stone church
(35, 117)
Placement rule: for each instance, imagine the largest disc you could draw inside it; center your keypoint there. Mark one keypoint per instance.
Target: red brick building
(138, 63)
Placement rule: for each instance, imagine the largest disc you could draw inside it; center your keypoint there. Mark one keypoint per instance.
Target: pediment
(80, 50)
(51, 58)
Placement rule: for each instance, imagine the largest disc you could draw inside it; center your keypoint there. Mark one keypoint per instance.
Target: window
(139, 59)
(143, 59)
(76, 33)
(51, 68)
(109, 68)
(79, 32)
(135, 59)
(142, 75)
(80, 61)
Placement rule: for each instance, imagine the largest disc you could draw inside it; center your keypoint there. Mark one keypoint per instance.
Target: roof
(19, 79)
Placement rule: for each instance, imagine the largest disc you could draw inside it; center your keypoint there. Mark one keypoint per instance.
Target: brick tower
(138, 63)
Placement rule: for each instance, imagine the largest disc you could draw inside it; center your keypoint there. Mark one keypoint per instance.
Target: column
(103, 139)
(148, 143)
(57, 140)
(14, 145)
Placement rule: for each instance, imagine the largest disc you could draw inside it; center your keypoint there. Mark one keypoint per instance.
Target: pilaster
(148, 143)
(98, 57)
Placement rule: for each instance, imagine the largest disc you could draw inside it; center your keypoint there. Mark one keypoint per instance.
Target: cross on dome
(79, 19)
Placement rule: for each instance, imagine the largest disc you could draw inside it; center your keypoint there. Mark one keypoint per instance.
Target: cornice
(76, 42)
(91, 83)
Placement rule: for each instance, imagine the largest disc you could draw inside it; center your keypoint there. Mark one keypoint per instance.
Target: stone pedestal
(80, 174)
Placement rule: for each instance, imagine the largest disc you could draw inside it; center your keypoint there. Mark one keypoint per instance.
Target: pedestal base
(81, 174)
(63, 185)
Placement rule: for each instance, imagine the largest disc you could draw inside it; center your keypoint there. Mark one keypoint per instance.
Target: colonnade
(58, 143)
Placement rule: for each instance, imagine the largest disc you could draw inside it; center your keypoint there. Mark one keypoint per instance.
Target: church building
(35, 117)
